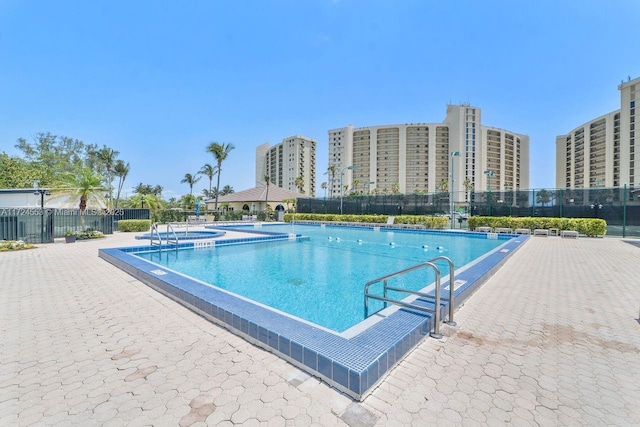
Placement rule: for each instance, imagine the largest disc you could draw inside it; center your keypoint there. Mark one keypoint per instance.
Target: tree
(468, 187)
(324, 187)
(85, 184)
(395, 188)
(54, 153)
(191, 180)
(299, 184)
(443, 186)
(121, 170)
(148, 189)
(543, 196)
(210, 194)
(227, 189)
(149, 201)
(208, 171)
(355, 186)
(331, 171)
(220, 153)
(187, 201)
(266, 179)
(18, 173)
(289, 202)
(106, 159)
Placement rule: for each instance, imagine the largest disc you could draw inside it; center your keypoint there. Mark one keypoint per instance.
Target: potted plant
(69, 237)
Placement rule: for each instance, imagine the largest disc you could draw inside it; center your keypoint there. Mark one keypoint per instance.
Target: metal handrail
(452, 283)
(436, 312)
(175, 236)
(154, 227)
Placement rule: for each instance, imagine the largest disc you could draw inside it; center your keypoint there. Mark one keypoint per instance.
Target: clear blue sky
(158, 80)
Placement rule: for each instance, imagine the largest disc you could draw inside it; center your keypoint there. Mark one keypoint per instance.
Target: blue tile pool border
(353, 365)
(197, 235)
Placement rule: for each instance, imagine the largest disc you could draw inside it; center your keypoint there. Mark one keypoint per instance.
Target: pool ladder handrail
(152, 242)
(175, 236)
(437, 298)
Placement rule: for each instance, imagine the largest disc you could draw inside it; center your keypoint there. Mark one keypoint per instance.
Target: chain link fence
(618, 206)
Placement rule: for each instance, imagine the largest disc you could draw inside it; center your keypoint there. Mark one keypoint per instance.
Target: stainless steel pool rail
(437, 297)
(175, 236)
(152, 242)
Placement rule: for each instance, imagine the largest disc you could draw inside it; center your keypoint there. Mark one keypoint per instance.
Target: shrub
(88, 234)
(128, 225)
(14, 245)
(427, 221)
(587, 226)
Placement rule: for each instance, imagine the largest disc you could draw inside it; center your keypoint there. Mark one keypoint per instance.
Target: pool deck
(551, 339)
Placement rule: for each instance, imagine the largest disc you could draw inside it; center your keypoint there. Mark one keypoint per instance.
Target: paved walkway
(551, 339)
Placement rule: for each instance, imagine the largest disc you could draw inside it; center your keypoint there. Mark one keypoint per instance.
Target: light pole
(41, 192)
(453, 154)
(369, 183)
(596, 205)
(341, 175)
(489, 174)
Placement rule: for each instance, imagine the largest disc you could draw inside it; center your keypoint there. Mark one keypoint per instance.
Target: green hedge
(134, 225)
(84, 235)
(588, 226)
(427, 221)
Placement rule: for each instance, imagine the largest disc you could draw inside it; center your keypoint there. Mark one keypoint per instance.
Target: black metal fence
(36, 225)
(619, 206)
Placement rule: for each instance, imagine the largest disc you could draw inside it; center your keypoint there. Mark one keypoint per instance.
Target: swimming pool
(353, 361)
(321, 279)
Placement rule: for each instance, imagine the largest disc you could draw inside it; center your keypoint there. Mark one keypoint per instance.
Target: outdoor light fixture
(369, 183)
(41, 192)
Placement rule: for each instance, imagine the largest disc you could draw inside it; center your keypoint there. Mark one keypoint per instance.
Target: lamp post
(596, 205)
(452, 205)
(341, 189)
(41, 192)
(489, 174)
(369, 183)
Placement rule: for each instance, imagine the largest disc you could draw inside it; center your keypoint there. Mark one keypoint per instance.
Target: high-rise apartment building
(419, 156)
(601, 152)
(284, 163)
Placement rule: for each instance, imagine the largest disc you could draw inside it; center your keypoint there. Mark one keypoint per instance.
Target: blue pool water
(322, 279)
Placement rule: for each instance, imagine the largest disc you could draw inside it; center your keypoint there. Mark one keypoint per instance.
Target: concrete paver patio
(551, 339)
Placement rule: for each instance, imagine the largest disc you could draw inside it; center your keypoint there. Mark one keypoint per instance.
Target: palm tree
(331, 171)
(299, 184)
(191, 180)
(324, 187)
(107, 157)
(121, 171)
(227, 189)
(443, 186)
(149, 201)
(208, 171)
(86, 184)
(356, 182)
(267, 178)
(220, 152)
(543, 196)
(468, 187)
